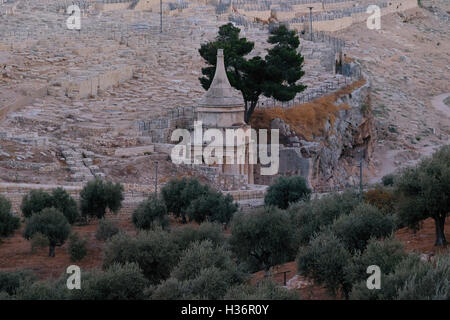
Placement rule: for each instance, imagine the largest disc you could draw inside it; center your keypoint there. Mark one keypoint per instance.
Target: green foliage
(52, 224)
(262, 237)
(50, 289)
(388, 180)
(386, 254)
(286, 190)
(106, 229)
(284, 65)
(211, 283)
(183, 236)
(150, 212)
(37, 200)
(179, 193)
(10, 281)
(205, 271)
(117, 282)
(8, 223)
(172, 289)
(310, 216)
(77, 247)
(433, 285)
(324, 260)
(38, 240)
(412, 279)
(212, 206)
(363, 223)
(152, 250)
(264, 290)
(424, 192)
(235, 49)
(201, 255)
(65, 203)
(98, 195)
(275, 76)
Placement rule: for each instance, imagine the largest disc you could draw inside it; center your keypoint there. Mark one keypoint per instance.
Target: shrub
(117, 282)
(201, 255)
(311, 216)
(381, 198)
(42, 290)
(388, 180)
(183, 236)
(287, 190)
(52, 224)
(77, 247)
(150, 212)
(386, 254)
(264, 290)
(432, 285)
(179, 193)
(35, 201)
(106, 229)
(38, 240)
(204, 271)
(10, 281)
(152, 250)
(8, 223)
(98, 195)
(363, 223)
(412, 279)
(262, 238)
(212, 206)
(324, 261)
(171, 289)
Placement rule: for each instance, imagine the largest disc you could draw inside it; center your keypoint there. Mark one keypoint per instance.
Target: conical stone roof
(221, 93)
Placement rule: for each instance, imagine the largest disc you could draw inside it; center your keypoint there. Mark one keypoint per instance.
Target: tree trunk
(249, 112)
(440, 234)
(51, 251)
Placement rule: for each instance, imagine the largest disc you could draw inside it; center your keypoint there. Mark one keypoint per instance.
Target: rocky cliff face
(332, 158)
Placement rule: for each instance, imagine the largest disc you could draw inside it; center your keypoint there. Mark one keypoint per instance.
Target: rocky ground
(408, 63)
(47, 84)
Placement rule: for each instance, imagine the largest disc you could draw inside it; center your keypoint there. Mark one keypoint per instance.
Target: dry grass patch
(307, 119)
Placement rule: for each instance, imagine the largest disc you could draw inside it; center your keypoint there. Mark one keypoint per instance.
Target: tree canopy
(274, 76)
(424, 192)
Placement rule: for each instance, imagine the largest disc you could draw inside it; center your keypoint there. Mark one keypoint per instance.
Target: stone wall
(87, 85)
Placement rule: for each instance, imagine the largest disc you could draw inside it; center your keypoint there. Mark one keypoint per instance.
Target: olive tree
(152, 250)
(262, 237)
(324, 260)
(363, 223)
(179, 193)
(150, 212)
(212, 206)
(37, 200)
(8, 223)
(286, 190)
(98, 195)
(425, 193)
(52, 224)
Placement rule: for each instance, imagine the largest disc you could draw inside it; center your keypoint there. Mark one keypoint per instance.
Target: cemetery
(100, 104)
